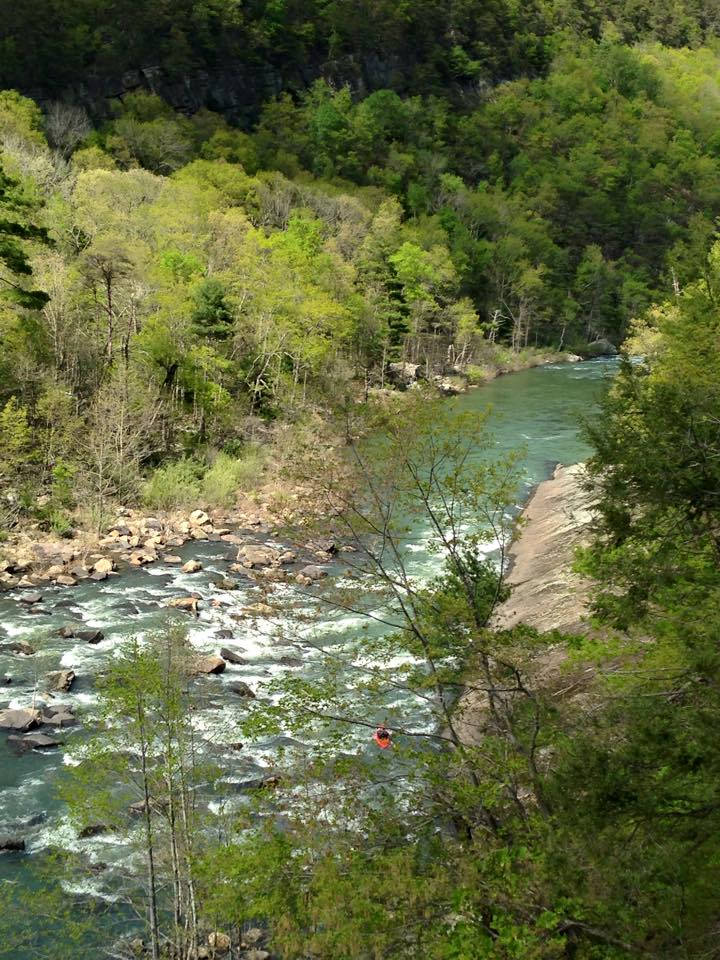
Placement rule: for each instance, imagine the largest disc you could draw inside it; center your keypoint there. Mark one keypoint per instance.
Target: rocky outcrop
(404, 375)
(546, 593)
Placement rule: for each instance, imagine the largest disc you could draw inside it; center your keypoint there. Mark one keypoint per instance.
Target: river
(537, 410)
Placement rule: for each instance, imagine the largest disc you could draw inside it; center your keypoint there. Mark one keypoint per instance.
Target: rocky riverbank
(30, 557)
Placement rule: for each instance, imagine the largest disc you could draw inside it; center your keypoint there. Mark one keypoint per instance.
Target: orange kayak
(382, 739)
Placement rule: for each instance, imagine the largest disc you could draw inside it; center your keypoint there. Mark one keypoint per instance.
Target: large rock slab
(33, 741)
(19, 719)
(546, 593)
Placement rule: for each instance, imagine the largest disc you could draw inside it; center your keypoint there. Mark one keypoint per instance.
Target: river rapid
(537, 410)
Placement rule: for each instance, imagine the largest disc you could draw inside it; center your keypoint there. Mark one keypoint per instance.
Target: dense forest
(222, 227)
(198, 278)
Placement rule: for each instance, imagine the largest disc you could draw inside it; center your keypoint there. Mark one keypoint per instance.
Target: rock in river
(192, 566)
(61, 680)
(231, 656)
(20, 719)
(33, 741)
(242, 689)
(11, 845)
(18, 646)
(257, 556)
(185, 603)
(208, 665)
(30, 598)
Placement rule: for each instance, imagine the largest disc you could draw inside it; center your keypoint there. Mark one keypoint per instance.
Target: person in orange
(382, 737)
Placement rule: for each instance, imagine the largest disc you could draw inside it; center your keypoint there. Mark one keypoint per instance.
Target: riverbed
(536, 410)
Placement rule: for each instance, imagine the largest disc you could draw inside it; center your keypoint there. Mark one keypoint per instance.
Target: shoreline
(30, 558)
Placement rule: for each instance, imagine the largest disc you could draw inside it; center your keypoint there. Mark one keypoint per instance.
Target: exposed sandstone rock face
(546, 593)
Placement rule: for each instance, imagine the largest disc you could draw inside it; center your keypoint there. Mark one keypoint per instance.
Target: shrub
(228, 474)
(60, 523)
(174, 485)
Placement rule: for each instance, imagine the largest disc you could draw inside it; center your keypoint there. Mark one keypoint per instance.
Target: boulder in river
(33, 741)
(190, 604)
(209, 665)
(225, 583)
(313, 572)
(30, 599)
(599, 348)
(242, 689)
(231, 656)
(18, 646)
(61, 716)
(104, 565)
(90, 636)
(258, 556)
(92, 830)
(192, 566)
(65, 580)
(11, 845)
(171, 558)
(139, 558)
(61, 680)
(19, 718)
(323, 545)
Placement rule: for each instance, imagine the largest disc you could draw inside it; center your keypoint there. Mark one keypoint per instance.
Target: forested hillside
(197, 274)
